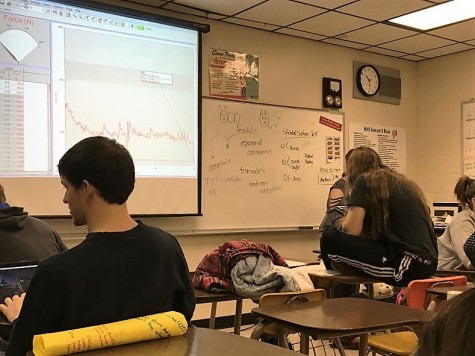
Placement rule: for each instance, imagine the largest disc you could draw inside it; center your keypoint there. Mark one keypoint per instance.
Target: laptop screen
(15, 278)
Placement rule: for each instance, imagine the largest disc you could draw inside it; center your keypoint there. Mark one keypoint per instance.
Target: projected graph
(148, 145)
(146, 102)
(124, 132)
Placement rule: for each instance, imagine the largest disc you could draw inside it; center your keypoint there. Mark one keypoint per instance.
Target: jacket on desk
(214, 270)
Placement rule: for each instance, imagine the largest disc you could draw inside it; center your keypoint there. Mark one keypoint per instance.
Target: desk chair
(281, 333)
(403, 343)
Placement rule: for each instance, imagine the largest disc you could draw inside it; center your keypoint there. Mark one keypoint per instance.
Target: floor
(317, 348)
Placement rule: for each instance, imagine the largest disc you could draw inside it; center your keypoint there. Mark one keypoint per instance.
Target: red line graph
(128, 130)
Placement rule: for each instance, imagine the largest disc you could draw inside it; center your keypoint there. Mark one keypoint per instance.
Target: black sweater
(108, 277)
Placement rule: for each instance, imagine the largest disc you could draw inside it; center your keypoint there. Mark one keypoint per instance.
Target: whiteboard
(266, 166)
(468, 138)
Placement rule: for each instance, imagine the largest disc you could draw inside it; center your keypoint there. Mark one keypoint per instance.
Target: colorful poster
(388, 141)
(233, 74)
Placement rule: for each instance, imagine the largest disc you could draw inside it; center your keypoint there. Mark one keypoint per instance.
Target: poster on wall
(468, 134)
(388, 141)
(233, 74)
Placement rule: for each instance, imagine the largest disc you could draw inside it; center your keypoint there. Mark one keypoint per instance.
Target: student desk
(442, 291)
(332, 318)
(213, 298)
(456, 272)
(323, 278)
(196, 342)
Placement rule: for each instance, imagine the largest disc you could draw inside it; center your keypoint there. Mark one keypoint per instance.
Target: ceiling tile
(336, 41)
(347, 23)
(292, 32)
(384, 51)
(228, 7)
(461, 31)
(417, 43)
(445, 50)
(289, 12)
(331, 24)
(376, 34)
(151, 2)
(186, 10)
(259, 25)
(413, 57)
(327, 4)
(383, 9)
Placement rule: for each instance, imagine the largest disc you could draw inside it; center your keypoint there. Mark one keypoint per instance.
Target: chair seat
(399, 343)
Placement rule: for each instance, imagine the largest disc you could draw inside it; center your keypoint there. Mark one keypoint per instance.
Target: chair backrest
(292, 297)
(416, 290)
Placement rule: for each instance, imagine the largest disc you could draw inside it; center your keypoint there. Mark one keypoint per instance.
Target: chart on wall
(267, 166)
(468, 134)
(388, 141)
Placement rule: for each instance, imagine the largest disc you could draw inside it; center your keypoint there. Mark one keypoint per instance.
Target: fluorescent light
(439, 15)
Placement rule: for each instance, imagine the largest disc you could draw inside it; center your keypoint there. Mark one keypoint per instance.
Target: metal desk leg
(304, 340)
(363, 345)
(238, 317)
(370, 290)
(339, 346)
(212, 317)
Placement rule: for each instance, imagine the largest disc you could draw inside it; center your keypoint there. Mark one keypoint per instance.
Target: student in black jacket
(25, 238)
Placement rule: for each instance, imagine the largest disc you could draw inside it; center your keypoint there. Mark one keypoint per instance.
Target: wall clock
(368, 80)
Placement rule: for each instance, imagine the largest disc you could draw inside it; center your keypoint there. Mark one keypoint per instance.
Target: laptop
(15, 278)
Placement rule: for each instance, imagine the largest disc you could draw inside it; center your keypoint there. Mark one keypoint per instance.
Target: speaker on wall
(332, 93)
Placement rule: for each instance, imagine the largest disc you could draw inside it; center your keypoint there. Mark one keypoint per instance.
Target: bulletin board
(468, 138)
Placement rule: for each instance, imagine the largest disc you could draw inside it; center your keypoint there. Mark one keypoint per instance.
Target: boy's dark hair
(104, 163)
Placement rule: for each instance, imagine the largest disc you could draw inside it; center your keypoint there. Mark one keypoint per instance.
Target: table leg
(238, 317)
(304, 340)
(340, 347)
(212, 317)
(363, 345)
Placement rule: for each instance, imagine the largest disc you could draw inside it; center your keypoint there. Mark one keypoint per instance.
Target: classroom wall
(443, 84)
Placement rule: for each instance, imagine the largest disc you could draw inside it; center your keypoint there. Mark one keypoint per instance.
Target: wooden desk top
(208, 297)
(442, 291)
(196, 342)
(455, 272)
(342, 316)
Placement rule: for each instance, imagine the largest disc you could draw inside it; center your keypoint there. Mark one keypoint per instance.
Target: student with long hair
(451, 243)
(387, 232)
(336, 203)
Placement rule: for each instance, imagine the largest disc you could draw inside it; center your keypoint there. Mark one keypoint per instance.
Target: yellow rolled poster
(143, 328)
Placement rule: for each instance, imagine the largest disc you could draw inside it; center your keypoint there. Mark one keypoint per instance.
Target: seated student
(387, 232)
(336, 203)
(462, 226)
(449, 332)
(123, 269)
(24, 238)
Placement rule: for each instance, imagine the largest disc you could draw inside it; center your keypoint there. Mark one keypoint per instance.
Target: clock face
(368, 80)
